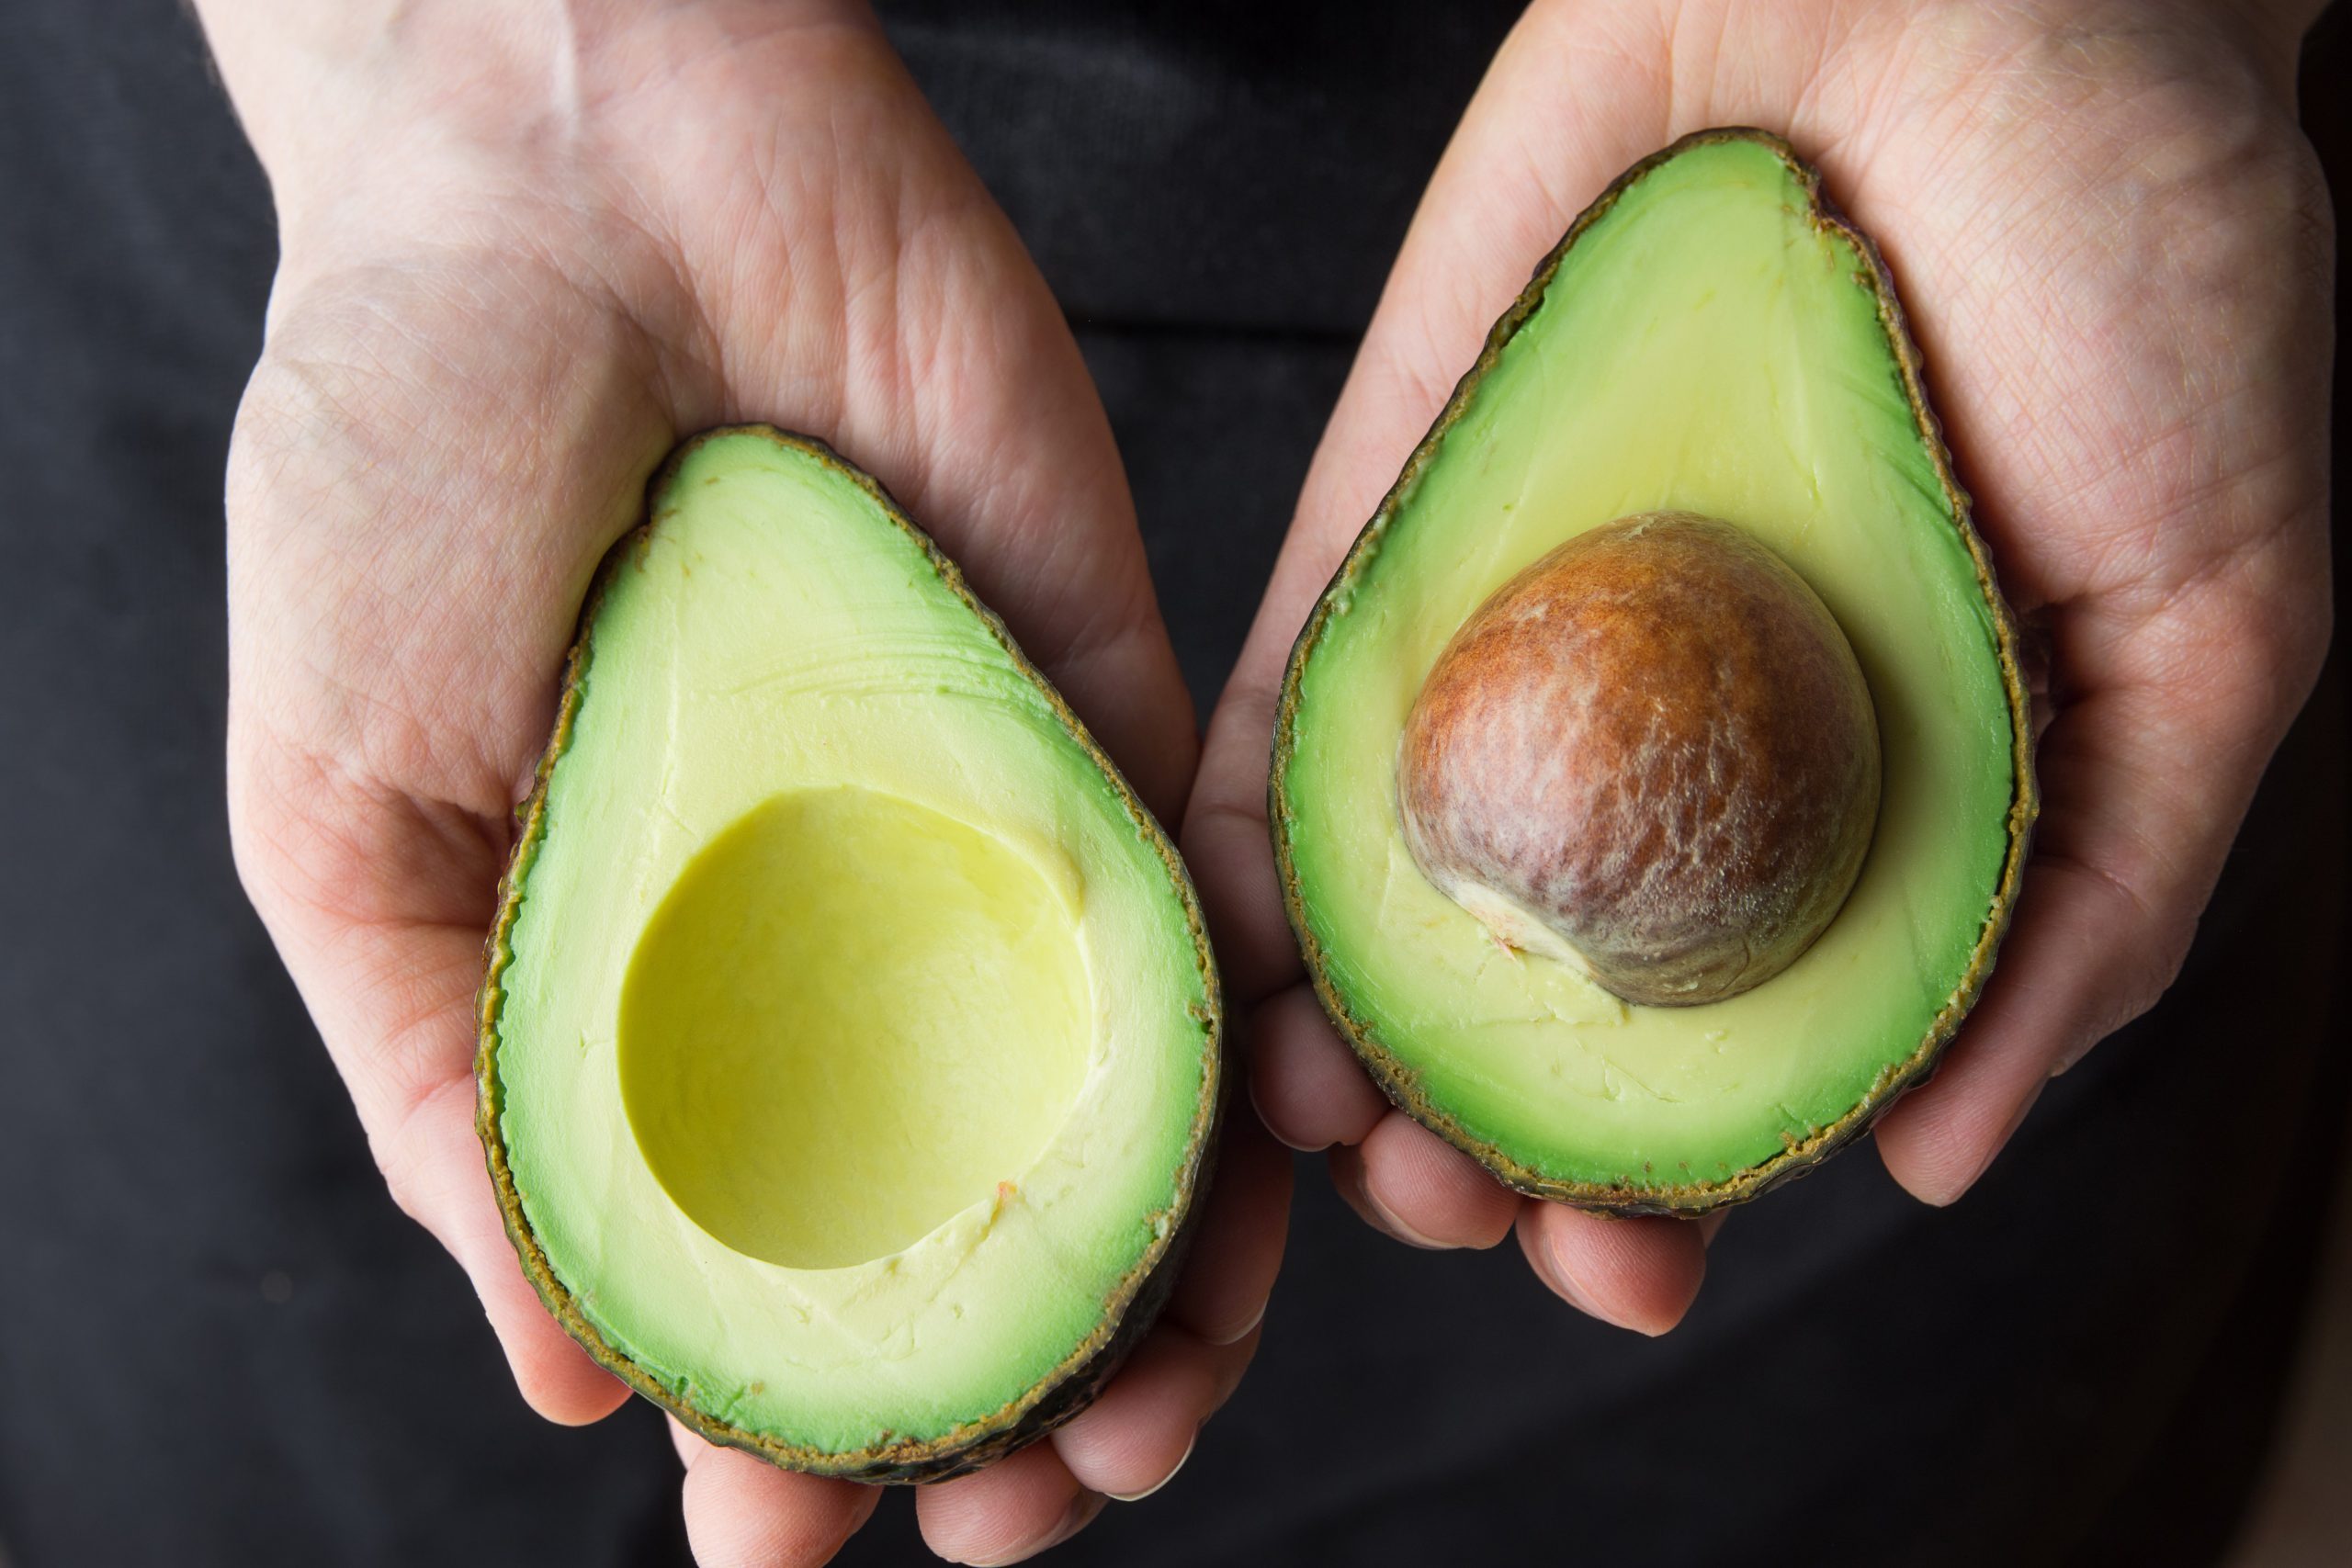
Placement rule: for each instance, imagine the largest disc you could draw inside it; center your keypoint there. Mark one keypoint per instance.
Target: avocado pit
(1650, 755)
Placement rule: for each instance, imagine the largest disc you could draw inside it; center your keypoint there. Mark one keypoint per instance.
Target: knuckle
(400, 1182)
(403, 1174)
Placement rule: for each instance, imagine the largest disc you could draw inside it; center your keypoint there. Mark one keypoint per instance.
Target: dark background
(220, 1344)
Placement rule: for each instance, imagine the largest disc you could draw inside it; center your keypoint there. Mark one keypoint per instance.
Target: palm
(468, 382)
(2140, 401)
(2113, 244)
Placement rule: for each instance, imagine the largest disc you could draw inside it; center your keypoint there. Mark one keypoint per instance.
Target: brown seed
(1652, 755)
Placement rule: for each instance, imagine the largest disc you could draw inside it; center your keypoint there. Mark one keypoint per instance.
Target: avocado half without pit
(849, 1057)
(1652, 783)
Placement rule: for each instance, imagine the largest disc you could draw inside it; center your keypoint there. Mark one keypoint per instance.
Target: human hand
(520, 259)
(2115, 244)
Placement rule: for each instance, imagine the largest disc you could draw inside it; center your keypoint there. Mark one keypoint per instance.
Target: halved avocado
(1707, 340)
(849, 1057)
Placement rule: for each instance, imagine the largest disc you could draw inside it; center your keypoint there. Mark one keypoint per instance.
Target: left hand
(2116, 242)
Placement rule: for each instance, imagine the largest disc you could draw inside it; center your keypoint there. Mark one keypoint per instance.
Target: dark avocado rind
(1398, 1080)
(1131, 1307)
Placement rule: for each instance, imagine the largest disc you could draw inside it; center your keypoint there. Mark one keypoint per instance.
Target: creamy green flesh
(1703, 346)
(852, 1044)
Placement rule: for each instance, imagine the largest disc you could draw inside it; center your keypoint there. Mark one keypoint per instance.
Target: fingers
(1139, 1432)
(1132, 1439)
(1307, 1086)
(434, 1163)
(1130, 1442)
(1641, 1274)
(1007, 1513)
(1224, 839)
(1230, 1271)
(2052, 997)
(1408, 1181)
(2146, 774)
(1401, 1178)
(1404, 1179)
(744, 1512)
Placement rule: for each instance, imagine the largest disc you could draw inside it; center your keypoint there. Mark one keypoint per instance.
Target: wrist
(314, 83)
(331, 92)
(2263, 36)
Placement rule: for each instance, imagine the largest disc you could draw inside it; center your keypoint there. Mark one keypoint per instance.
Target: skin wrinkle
(2079, 445)
(2120, 851)
(1707, 66)
(309, 790)
(386, 541)
(685, 348)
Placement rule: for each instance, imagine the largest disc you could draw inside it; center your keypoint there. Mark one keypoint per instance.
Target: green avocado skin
(1129, 1305)
(1629, 1112)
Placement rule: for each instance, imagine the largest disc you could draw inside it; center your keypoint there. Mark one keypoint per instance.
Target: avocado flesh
(849, 1043)
(1705, 341)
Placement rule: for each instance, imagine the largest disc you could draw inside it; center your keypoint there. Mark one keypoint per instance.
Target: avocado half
(849, 1060)
(1709, 338)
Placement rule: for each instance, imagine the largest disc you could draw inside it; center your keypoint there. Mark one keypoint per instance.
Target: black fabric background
(220, 1344)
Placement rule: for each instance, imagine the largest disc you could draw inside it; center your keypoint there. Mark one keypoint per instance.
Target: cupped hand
(2115, 245)
(519, 260)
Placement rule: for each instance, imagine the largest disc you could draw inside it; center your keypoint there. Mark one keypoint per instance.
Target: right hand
(518, 261)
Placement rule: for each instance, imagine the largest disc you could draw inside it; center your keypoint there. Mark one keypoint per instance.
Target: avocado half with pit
(1652, 783)
(849, 1055)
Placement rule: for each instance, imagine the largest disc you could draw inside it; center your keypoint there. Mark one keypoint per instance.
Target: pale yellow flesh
(860, 1006)
(1704, 347)
(854, 1039)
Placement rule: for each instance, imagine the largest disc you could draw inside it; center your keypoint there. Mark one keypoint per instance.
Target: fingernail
(1547, 1263)
(2017, 1120)
(1276, 1133)
(1247, 1329)
(1082, 1509)
(1581, 1299)
(2007, 1133)
(1399, 1228)
(1708, 1224)
(1353, 1184)
(689, 1445)
(1140, 1497)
